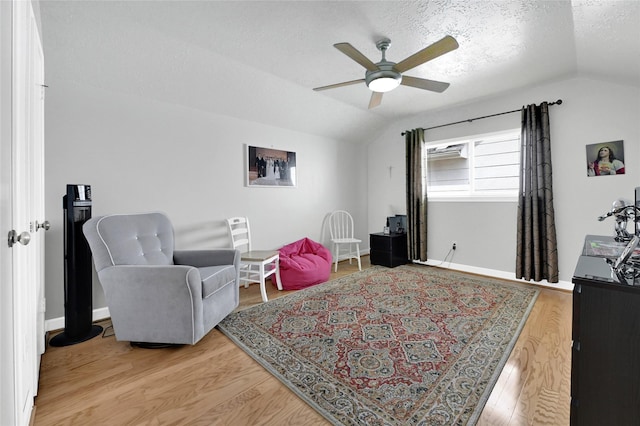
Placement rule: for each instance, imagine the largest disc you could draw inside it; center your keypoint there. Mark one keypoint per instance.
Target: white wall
(144, 155)
(592, 112)
(139, 154)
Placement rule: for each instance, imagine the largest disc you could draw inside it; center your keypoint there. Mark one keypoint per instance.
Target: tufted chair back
(130, 239)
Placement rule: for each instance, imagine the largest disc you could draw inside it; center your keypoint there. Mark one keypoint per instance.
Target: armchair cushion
(304, 263)
(132, 240)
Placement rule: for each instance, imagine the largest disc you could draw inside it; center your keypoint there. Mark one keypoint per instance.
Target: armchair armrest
(166, 298)
(203, 258)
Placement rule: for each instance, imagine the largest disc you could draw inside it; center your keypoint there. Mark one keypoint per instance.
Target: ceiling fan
(385, 75)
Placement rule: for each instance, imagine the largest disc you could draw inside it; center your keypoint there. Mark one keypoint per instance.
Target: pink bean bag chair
(303, 264)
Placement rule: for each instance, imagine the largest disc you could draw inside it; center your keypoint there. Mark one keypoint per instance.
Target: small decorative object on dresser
(388, 250)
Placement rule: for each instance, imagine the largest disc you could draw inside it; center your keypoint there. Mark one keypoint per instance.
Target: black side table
(388, 250)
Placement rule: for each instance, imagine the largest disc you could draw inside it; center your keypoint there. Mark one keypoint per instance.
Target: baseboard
(102, 313)
(562, 285)
(58, 323)
(54, 324)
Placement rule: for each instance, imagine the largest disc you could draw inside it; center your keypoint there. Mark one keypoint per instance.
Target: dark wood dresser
(388, 250)
(605, 365)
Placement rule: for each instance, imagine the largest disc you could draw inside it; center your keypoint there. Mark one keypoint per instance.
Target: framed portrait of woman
(605, 159)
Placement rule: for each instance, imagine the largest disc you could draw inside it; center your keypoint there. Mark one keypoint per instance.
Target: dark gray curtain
(416, 195)
(537, 252)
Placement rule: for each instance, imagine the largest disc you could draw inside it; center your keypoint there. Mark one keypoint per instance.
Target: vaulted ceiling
(259, 60)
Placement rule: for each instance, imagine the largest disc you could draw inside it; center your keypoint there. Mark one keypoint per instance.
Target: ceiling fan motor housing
(385, 71)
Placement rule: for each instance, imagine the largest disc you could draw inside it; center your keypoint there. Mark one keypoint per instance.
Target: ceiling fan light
(384, 79)
(384, 84)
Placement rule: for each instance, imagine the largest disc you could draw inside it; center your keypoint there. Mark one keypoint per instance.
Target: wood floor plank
(103, 381)
(539, 366)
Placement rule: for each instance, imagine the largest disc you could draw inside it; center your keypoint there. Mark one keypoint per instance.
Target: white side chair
(342, 234)
(255, 265)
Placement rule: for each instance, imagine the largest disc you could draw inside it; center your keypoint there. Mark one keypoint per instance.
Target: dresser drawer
(386, 258)
(388, 242)
(388, 250)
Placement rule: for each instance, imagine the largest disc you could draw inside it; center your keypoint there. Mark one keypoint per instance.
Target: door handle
(22, 238)
(46, 225)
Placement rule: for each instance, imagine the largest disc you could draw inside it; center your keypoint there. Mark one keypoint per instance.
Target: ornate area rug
(413, 345)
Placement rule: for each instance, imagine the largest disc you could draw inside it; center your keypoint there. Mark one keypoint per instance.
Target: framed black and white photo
(605, 158)
(270, 167)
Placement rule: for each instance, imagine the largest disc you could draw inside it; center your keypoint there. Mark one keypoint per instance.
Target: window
(482, 166)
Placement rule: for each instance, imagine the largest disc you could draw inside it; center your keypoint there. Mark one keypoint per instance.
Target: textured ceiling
(259, 60)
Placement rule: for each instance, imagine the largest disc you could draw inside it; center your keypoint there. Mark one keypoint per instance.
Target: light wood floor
(105, 382)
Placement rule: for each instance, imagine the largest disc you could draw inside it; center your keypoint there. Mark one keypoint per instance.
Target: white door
(7, 388)
(32, 146)
(21, 156)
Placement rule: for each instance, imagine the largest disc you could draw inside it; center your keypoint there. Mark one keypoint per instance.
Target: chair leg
(278, 281)
(263, 288)
(245, 273)
(358, 252)
(337, 252)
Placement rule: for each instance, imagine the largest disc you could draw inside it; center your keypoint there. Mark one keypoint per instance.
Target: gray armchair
(155, 294)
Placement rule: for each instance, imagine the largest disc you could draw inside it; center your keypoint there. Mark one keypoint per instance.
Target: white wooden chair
(342, 234)
(255, 265)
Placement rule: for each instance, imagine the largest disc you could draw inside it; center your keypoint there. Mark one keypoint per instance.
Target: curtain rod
(469, 120)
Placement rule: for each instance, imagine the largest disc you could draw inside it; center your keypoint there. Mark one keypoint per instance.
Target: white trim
(55, 324)
(103, 313)
(562, 285)
(466, 198)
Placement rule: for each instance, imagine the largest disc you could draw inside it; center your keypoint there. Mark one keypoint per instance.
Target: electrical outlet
(454, 246)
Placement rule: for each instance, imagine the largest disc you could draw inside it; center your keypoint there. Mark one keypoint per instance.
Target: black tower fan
(78, 274)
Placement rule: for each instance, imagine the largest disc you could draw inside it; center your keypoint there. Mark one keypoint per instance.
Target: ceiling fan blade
(333, 86)
(423, 83)
(376, 98)
(355, 54)
(440, 47)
